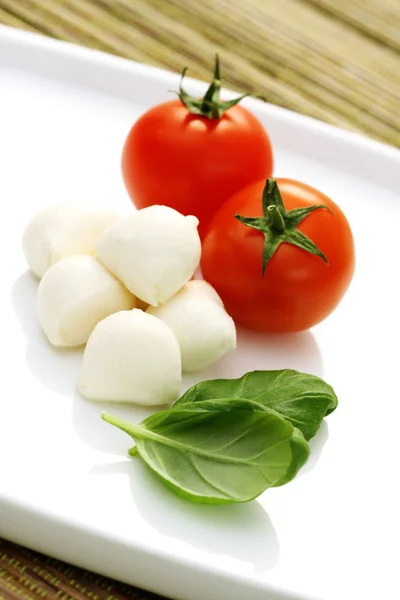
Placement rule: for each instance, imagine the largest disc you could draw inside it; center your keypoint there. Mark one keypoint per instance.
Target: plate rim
(12, 38)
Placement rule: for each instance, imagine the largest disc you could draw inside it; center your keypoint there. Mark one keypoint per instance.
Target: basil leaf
(218, 456)
(301, 398)
(300, 448)
(300, 454)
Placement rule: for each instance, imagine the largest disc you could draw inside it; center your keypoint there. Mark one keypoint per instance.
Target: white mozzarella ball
(62, 230)
(74, 295)
(131, 357)
(153, 251)
(203, 328)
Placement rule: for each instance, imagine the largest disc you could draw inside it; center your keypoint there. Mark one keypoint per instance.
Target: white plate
(67, 487)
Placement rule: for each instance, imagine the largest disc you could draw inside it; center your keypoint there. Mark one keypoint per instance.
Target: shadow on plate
(316, 444)
(243, 531)
(256, 351)
(55, 368)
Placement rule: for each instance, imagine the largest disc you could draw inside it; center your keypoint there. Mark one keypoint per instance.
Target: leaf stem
(148, 434)
(129, 428)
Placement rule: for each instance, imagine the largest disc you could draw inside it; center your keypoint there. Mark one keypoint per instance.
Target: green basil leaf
(300, 454)
(301, 398)
(218, 456)
(300, 448)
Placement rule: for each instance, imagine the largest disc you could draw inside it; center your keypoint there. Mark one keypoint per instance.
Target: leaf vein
(206, 479)
(236, 439)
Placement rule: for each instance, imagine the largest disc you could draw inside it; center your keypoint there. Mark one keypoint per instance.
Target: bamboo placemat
(336, 60)
(28, 575)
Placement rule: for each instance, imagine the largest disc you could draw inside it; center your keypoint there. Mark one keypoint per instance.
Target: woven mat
(336, 60)
(28, 575)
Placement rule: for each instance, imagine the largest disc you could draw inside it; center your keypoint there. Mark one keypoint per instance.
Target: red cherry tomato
(193, 154)
(298, 289)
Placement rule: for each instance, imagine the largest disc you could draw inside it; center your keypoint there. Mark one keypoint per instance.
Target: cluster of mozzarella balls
(123, 287)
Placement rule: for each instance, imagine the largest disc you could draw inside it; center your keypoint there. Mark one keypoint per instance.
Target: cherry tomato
(194, 154)
(298, 289)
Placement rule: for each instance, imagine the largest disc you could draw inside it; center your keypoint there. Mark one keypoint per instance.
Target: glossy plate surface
(67, 487)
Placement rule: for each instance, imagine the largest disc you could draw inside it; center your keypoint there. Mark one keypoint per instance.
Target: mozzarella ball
(63, 230)
(153, 251)
(204, 330)
(74, 295)
(131, 357)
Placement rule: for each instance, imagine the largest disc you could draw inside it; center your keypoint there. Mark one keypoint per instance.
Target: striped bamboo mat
(28, 575)
(336, 60)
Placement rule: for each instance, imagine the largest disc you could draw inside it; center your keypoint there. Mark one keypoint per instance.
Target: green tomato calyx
(280, 225)
(210, 106)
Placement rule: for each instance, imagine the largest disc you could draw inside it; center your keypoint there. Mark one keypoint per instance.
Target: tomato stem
(210, 106)
(211, 98)
(280, 225)
(277, 220)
